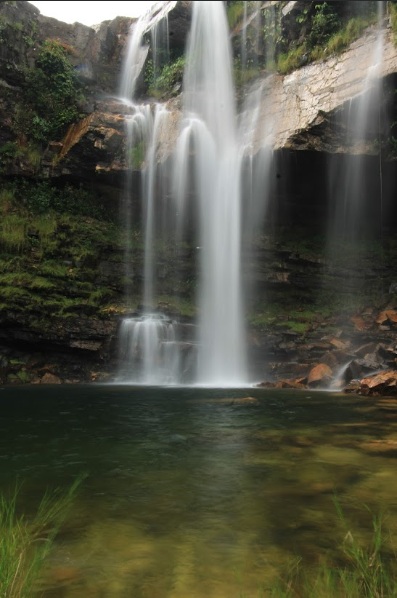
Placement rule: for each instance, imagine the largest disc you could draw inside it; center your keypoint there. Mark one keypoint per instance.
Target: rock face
(300, 117)
(301, 111)
(296, 108)
(95, 145)
(298, 111)
(97, 51)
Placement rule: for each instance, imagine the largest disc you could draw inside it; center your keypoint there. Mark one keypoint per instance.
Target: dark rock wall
(280, 267)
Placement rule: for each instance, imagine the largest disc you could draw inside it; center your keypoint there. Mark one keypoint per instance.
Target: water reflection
(196, 492)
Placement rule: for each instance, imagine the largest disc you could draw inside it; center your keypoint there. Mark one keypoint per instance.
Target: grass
(49, 261)
(361, 567)
(13, 232)
(26, 542)
(337, 43)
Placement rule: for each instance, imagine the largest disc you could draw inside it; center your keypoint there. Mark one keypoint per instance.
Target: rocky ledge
(360, 358)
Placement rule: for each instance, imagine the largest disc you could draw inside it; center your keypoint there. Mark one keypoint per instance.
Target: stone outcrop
(300, 111)
(296, 108)
(359, 357)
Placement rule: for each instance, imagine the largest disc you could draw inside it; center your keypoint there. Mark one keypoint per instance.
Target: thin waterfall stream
(353, 218)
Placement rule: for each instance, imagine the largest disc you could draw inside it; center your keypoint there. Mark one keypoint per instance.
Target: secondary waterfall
(149, 352)
(353, 217)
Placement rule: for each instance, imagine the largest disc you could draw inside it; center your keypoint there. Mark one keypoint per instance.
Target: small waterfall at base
(148, 346)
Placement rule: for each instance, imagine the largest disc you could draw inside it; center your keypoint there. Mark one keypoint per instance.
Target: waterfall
(148, 349)
(244, 39)
(209, 123)
(149, 352)
(137, 49)
(354, 218)
(349, 219)
(207, 174)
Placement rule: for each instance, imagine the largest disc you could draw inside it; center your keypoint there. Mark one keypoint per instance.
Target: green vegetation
(61, 255)
(28, 152)
(137, 155)
(325, 22)
(279, 313)
(182, 307)
(328, 36)
(11, 30)
(52, 241)
(169, 80)
(362, 567)
(320, 30)
(52, 95)
(243, 76)
(300, 277)
(235, 12)
(27, 541)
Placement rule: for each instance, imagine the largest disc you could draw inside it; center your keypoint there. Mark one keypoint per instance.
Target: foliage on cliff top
(281, 41)
(52, 95)
(328, 35)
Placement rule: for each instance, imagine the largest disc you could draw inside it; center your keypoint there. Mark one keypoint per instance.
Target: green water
(196, 493)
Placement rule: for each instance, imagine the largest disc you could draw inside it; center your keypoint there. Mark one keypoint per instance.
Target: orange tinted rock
(339, 344)
(387, 378)
(297, 384)
(359, 323)
(388, 315)
(320, 373)
(49, 378)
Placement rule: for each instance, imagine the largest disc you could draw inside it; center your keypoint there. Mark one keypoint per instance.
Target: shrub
(171, 76)
(52, 95)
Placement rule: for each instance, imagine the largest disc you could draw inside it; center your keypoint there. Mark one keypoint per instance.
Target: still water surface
(194, 493)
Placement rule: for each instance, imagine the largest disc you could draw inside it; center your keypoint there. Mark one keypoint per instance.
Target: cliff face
(298, 111)
(300, 115)
(95, 54)
(95, 144)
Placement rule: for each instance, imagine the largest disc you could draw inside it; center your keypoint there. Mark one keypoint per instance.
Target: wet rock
(319, 375)
(388, 316)
(353, 386)
(382, 383)
(299, 384)
(49, 378)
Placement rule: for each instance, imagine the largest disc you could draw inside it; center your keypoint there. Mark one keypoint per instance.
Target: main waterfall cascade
(208, 162)
(209, 124)
(218, 177)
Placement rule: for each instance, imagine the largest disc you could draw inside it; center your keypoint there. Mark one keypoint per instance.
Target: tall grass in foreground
(362, 569)
(25, 542)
